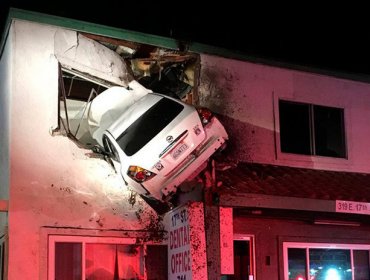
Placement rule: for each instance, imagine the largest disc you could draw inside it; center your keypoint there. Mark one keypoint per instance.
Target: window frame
(313, 245)
(304, 159)
(64, 125)
(52, 239)
(313, 145)
(252, 250)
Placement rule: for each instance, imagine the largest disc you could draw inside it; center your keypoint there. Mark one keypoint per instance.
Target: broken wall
(53, 182)
(247, 94)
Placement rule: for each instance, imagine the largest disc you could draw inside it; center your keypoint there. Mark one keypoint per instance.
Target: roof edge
(5, 33)
(89, 27)
(164, 42)
(237, 55)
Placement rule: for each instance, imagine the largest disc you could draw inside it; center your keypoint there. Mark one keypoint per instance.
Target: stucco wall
(5, 90)
(53, 182)
(247, 95)
(270, 234)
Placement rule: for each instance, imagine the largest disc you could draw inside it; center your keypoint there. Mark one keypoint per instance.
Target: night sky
(332, 38)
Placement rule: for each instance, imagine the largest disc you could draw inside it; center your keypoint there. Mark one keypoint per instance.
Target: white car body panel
(178, 162)
(109, 105)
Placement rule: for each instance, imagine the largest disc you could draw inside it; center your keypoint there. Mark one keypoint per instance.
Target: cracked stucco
(77, 52)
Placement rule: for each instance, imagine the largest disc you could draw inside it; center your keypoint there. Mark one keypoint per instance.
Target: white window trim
(76, 233)
(322, 161)
(308, 245)
(251, 238)
(84, 240)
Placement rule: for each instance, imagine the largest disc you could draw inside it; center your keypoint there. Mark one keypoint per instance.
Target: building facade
(296, 178)
(287, 199)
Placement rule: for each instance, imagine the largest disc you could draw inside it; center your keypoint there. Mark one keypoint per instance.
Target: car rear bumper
(191, 165)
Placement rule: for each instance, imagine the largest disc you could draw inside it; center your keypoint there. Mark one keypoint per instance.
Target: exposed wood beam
(117, 42)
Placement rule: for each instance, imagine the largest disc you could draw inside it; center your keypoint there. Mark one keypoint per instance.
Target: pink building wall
(53, 182)
(64, 187)
(247, 95)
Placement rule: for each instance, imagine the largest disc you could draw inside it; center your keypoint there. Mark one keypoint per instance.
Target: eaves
(159, 41)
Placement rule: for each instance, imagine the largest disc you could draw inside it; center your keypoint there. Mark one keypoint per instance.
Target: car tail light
(205, 115)
(139, 174)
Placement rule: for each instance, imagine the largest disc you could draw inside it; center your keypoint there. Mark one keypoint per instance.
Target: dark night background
(330, 38)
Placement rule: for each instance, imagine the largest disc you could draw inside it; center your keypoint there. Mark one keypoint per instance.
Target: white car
(159, 142)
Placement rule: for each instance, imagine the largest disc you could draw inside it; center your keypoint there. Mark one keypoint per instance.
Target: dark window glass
(110, 149)
(330, 264)
(294, 128)
(329, 131)
(2, 261)
(68, 261)
(297, 263)
(361, 264)
(106, 144)
(145, 128)
(156, 262)
(311, 130)
(242, 261)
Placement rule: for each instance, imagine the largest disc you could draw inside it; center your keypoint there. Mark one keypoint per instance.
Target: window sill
(311, 161)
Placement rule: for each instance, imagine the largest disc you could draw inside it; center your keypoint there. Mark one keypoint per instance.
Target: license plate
(179, 151)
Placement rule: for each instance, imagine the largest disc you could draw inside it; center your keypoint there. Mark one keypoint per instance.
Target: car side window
(110, 149)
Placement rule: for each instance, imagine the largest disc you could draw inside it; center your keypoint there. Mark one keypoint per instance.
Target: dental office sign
(179, 253)
(186, 242)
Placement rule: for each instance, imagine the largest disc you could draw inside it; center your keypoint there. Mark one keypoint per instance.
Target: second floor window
(311, 129)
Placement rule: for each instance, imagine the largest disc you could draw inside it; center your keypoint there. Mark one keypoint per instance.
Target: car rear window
(145, 128)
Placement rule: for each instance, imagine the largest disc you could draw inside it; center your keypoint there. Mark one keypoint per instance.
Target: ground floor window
(319, 261)
(92, 258)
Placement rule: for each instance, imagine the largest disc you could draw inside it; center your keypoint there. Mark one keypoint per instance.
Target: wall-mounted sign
(186, 243)
(353, 207)
(179, 257)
